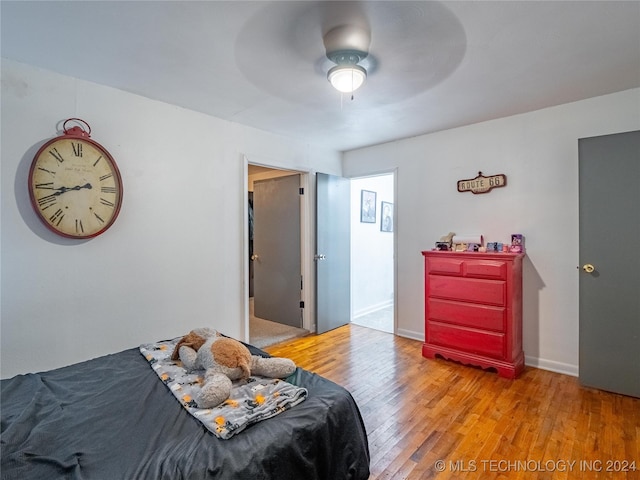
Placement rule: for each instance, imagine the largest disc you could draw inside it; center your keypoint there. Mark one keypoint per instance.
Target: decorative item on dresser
(473, 309)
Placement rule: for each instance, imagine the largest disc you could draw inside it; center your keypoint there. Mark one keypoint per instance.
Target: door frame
(306, 250)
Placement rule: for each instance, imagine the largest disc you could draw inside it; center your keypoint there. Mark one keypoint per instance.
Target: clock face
(75, 187)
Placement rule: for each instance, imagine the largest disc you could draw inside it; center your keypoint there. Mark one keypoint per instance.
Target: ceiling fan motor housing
(347, 40)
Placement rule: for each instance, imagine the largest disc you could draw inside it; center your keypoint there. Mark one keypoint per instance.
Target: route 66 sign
(482, 184)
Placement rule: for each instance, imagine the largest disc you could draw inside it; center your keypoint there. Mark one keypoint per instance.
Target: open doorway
(275, 259)
(372, 252)
(372, 303)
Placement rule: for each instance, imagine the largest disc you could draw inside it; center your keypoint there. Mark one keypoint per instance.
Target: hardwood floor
(439, 419)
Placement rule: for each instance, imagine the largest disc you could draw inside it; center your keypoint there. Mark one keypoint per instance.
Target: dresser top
(473, 255)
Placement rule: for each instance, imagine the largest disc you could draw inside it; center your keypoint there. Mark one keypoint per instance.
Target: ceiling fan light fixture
(346, 46)
(347, 78)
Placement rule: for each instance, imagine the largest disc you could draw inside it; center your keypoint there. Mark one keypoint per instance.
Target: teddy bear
(224, 359)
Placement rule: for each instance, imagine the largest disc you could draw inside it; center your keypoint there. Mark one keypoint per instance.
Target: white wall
(371, 249)
(538, 152)
(174, 258)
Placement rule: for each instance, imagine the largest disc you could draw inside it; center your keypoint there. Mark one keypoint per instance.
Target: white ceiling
(432, 65)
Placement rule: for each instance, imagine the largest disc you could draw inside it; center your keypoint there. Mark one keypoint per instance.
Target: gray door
(276, 250)
(609, 187)
(333, 252)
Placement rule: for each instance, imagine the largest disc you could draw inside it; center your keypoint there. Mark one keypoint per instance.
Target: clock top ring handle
(77, 131)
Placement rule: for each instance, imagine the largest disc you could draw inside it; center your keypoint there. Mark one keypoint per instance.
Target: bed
(112, 418)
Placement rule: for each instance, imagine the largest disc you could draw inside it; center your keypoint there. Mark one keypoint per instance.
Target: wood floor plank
(419, 412)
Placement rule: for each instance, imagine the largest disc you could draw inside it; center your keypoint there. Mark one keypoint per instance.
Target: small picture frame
(367, 206)
(386, 217)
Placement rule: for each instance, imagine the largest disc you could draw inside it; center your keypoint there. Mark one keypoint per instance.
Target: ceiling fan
(401, 49)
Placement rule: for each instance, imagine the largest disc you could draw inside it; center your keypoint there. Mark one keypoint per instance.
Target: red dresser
(473, 309)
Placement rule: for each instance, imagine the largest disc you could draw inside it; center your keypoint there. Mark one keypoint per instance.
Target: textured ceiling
(432, 65)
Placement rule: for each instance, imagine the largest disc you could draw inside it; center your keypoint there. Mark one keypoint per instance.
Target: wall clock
(75, 185)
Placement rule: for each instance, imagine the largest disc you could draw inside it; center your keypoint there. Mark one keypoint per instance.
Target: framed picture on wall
(367, 206)
(386, 219)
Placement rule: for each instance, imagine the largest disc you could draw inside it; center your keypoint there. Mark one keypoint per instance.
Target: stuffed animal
(224, 359)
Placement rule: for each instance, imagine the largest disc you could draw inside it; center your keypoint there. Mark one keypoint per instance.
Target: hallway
(381, 319)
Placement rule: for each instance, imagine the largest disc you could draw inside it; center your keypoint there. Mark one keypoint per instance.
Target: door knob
(319, 257)
(254, 256)
(587, 267)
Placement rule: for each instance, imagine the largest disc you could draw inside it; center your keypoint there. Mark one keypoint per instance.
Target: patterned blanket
(251, 400)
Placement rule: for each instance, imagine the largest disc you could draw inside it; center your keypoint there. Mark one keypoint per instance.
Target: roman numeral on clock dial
(54, 152)
(46, 202)
(77, 149)
(57, 217)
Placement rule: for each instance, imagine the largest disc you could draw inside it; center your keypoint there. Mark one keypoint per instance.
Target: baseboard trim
(372, 308)
(552, 366)
(410, 334)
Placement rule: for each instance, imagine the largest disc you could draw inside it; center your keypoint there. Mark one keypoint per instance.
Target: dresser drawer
(485, 269)
(484, 317)
(490, 344)
(492, 292)
(445, 266)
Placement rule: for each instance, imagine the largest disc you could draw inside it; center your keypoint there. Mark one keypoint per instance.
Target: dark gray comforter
(111, 418)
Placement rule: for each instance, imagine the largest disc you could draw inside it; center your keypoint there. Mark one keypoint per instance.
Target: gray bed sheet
(112, 418)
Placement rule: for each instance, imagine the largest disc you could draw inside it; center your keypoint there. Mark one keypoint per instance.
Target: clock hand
(62, 190)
